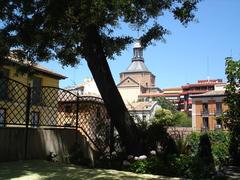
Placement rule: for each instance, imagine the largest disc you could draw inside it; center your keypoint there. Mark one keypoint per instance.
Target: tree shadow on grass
(48, 170)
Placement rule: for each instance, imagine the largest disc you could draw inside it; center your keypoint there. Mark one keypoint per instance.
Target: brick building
(171, 94)
(206, 110)
(202, 86)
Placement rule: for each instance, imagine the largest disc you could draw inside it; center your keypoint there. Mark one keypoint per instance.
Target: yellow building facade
(14, 89)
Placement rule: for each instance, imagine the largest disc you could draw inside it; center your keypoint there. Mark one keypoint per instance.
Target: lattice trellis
(13, 99)
(54, 107)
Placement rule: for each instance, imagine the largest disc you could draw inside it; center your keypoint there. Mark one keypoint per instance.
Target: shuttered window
(36, 90)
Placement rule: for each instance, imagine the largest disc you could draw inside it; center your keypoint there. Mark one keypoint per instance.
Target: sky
(190, 53)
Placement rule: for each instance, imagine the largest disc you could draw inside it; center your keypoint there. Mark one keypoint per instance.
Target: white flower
(136, 158)
(126, 163)
(159, 148)
(153, 152)
(130, 157)
(114, 153)
(142, 157)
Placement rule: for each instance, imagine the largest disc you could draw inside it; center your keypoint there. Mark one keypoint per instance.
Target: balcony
(205, 113)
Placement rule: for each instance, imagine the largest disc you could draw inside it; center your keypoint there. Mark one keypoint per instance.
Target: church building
(136, 79)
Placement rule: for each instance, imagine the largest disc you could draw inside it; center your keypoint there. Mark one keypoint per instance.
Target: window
(205, 123)
(67, 108)
(205, 107)
(4, 74)
(2, 117)
(36, 91)
(81, 91)
(35, 119)
(218, 107)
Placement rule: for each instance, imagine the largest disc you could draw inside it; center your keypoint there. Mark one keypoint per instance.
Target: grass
(38, 169)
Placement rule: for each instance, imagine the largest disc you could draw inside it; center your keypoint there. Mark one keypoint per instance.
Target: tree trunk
(116, 108)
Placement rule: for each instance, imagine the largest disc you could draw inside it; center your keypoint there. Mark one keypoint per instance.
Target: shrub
(220, 147)
(219, 142)
(157, 137)
(203, 164)
(193, 141)
(164, 117)
(170, 165)
(181, 119)
(141, 166)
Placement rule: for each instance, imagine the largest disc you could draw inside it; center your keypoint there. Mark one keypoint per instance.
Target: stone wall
(40, 142)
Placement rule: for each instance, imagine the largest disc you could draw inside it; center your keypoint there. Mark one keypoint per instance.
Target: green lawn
(46, 170)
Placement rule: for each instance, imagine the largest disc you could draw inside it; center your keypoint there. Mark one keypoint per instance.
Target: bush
(170, 165)
(203, 163)
(220, 147)
(198, 158)
(193, 141)
(159, 139)
(182, 120)
(219, 142)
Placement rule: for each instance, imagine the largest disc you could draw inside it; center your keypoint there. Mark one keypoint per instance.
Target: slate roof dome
(137, 64)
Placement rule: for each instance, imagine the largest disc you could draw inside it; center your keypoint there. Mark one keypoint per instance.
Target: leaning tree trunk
(115, 106)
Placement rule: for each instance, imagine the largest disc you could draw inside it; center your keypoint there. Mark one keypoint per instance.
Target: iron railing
(33, 107)
(205, 113)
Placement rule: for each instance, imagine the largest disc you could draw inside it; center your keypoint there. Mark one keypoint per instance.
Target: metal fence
(34, 107)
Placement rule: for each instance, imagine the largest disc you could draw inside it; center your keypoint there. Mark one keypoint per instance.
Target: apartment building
(202, 86)
(207, 109)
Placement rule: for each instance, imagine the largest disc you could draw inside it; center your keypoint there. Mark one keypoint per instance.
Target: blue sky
(189, 54)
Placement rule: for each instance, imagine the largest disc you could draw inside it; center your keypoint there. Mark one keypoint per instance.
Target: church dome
(137, 66)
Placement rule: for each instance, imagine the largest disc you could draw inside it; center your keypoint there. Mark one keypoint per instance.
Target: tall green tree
(232, 115)
(70, 30)
(166, 104)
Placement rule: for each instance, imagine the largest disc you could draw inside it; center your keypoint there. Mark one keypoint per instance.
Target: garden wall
(40, 142)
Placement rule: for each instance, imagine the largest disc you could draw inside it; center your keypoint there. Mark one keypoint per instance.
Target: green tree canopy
(46, 29)
(164, 117)
(166, 104)
(70, 30)
(182, 119)
(232, 115)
